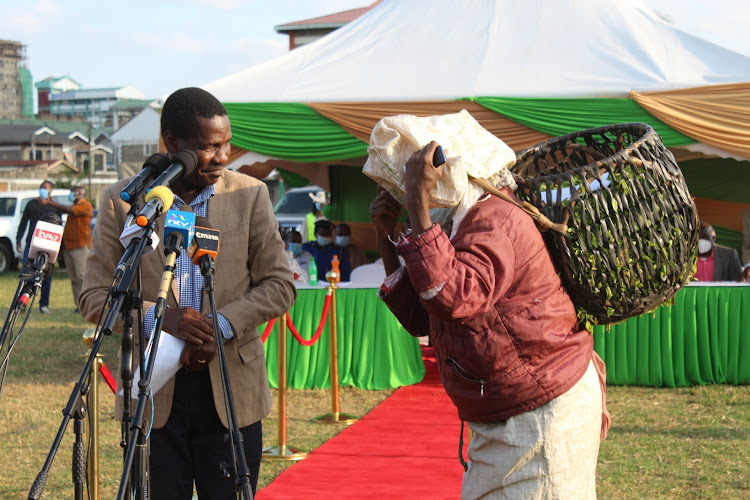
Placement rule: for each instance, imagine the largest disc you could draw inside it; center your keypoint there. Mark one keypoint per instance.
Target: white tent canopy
(447, 49)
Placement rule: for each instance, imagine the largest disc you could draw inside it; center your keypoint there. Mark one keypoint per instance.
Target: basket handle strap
(542, 221)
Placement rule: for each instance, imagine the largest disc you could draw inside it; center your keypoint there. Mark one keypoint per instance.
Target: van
(12, 204)
(291, 210)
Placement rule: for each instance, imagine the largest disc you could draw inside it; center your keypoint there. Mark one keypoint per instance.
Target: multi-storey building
(16, 100)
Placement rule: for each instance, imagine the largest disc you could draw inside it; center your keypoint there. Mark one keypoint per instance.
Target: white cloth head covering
(318, 197)
(469, 150)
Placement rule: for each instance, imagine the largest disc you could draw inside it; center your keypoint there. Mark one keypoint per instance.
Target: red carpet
(407, 447)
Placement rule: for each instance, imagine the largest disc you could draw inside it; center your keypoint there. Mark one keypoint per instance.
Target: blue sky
(158, 46)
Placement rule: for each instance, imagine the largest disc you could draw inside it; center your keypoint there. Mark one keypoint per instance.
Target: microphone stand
(29, 274)
(172, 251)
(242, 483)
(75, 407)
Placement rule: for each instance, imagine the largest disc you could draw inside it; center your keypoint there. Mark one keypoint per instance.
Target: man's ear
(170, 141)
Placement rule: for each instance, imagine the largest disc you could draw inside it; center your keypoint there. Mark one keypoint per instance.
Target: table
(375, 352)
(703, 338)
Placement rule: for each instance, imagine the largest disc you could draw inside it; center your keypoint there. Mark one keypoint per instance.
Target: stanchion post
(335, 417)
(92, 402)
(282, 451)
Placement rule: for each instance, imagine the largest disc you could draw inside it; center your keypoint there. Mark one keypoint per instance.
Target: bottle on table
(335, 268)
(312, 273)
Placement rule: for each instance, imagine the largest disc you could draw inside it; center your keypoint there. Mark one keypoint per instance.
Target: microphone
(157, 200)
(43, 249)
(178, 232)
(45, 243)
(179, 228)
(134, 231)
(183, 163)
(154, 165)
(205, 242)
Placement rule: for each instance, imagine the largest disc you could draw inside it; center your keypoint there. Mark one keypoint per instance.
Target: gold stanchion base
(283, 453)
(335, 418)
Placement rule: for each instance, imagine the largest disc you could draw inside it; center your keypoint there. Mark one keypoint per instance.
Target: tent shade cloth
(525, 70)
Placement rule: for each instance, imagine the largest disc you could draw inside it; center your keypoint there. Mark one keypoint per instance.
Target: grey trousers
(75, 264)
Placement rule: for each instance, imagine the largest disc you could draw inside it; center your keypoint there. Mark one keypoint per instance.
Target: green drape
(703, 180)
(375, 352)
(290, 131)
(563, 116)
(703, 338)
(351, 194)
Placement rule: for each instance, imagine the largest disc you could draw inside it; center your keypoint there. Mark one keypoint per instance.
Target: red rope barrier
(108, 377)
(308, 343)
(268, 329)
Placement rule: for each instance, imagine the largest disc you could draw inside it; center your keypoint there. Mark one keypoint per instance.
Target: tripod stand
(242, 483)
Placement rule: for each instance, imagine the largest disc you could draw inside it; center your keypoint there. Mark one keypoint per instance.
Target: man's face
(79, 194)
(211, 145)
(323, 231)
(342, 230)
(295, 238)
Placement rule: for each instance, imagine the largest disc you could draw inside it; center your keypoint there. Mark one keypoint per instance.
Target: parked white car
(292, 209)
(12, 204)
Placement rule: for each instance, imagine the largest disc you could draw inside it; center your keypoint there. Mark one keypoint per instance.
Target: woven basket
(632, 225)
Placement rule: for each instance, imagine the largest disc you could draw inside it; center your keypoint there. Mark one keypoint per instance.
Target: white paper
(166, 365)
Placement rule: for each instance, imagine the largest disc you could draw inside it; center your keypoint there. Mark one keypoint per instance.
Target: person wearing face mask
(76, 236)
(715, 262)
(316, 214)
(301, 257)
(34, 211)
(356, 255)
(323, 250)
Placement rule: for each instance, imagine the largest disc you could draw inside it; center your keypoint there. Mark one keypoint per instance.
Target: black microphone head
(159, 162)
(188, 159)
(51, 218)
(202, 222)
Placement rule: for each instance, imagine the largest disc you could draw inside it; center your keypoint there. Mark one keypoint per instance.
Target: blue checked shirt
(187, 275)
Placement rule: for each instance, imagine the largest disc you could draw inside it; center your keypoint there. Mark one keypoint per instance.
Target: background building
(16, 100)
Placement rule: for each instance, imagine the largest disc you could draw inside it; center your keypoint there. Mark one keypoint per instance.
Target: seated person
(357, 256)
(301, 257)
(715, 262)
(323, 250)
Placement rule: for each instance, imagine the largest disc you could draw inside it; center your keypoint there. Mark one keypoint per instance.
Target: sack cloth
(469, 150)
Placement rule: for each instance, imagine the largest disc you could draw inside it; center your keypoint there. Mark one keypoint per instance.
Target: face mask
(704, 246)
(295, 248)
(343, 241)
(323, 241)
(43, 193)
(318, 206)
(71, 197)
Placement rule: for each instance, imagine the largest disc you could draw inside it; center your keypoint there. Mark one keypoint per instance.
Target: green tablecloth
(375, 352)
(703, 338)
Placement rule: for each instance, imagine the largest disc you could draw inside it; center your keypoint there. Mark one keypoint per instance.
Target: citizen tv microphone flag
(47, 237)
(182, 223)
(154, 166)
(157, 200)
(205, 241)
(43, 251)
(183, 163)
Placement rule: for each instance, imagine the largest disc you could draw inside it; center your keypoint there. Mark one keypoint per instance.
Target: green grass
(664, 443)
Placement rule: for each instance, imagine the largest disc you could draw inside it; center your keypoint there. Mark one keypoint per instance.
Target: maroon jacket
(504, 329)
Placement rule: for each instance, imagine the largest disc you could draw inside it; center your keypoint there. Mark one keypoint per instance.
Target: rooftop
(330, 21)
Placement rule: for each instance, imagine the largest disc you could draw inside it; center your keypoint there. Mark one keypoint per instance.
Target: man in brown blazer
(253, 285)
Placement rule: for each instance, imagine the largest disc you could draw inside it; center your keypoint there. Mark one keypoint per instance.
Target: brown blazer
(253, 285)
